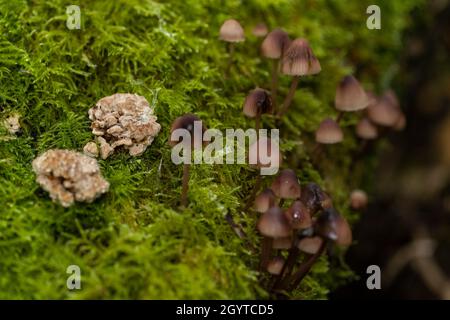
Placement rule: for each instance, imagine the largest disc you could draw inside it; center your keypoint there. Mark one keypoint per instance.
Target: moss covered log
(134, 242)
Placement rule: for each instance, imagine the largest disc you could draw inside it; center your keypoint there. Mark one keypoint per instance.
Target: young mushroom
(331, 225)
(298, 215)
(366, 130)
(286, 186)
(314, 198)
(358, 199)
(257, 102)
(273, 47)
(232, 32)
(350, 96)
(298, 60)
(260, 30)
(191, 138)
(329, 132)
(275, 265)
(272, 224)
(385, 111)
(264, 201)
(310, 245)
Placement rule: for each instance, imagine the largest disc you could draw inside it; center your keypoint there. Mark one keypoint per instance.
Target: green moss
(134, 242)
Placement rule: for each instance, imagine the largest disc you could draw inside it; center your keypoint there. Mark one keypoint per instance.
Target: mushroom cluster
(69, 176)
(305, 225)
(122, 120)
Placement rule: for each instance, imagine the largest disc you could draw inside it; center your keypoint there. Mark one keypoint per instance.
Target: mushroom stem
(306, 266)
(287, 268)
(230, 56)
(339, 116)
(265, 252)
(254, 191)
(236, 227)
(185, 186)
(257, 124)
(274, 83)
(316, 152)
(290, 96)
(363, 148)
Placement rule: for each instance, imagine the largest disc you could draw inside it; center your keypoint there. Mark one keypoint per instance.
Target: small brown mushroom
(232, 32)
(275, 265)
(350, 96)
(366, 130)
(298, 60)
(273, 47)
(187, 122)
(385, 111)
(310, 245)
(314, 198)
(286, 186)
(265, 200)
(260, 30)
(330, 225)
(358, 199)
(329, 132)
(257, 102)
(298, 215)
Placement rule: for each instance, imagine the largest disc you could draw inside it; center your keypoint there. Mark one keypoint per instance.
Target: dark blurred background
(406, 228)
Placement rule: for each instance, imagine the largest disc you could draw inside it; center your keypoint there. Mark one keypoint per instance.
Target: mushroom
(275, 265)
(265, 200)
(358, 199)
(260, 30)
(330, 225)
(231, 31)
(272, 224)
(187, 122)
(273, 47)
(329, 132)
(298, 215)
(314, 198)
(401, 123)
(310, 245)
(286, 186)
(385, 111)
(298, 60)
(257, 103)
(350, 96)
(366, 130)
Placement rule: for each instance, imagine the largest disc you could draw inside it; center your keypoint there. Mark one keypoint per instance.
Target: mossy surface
(134, 242)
